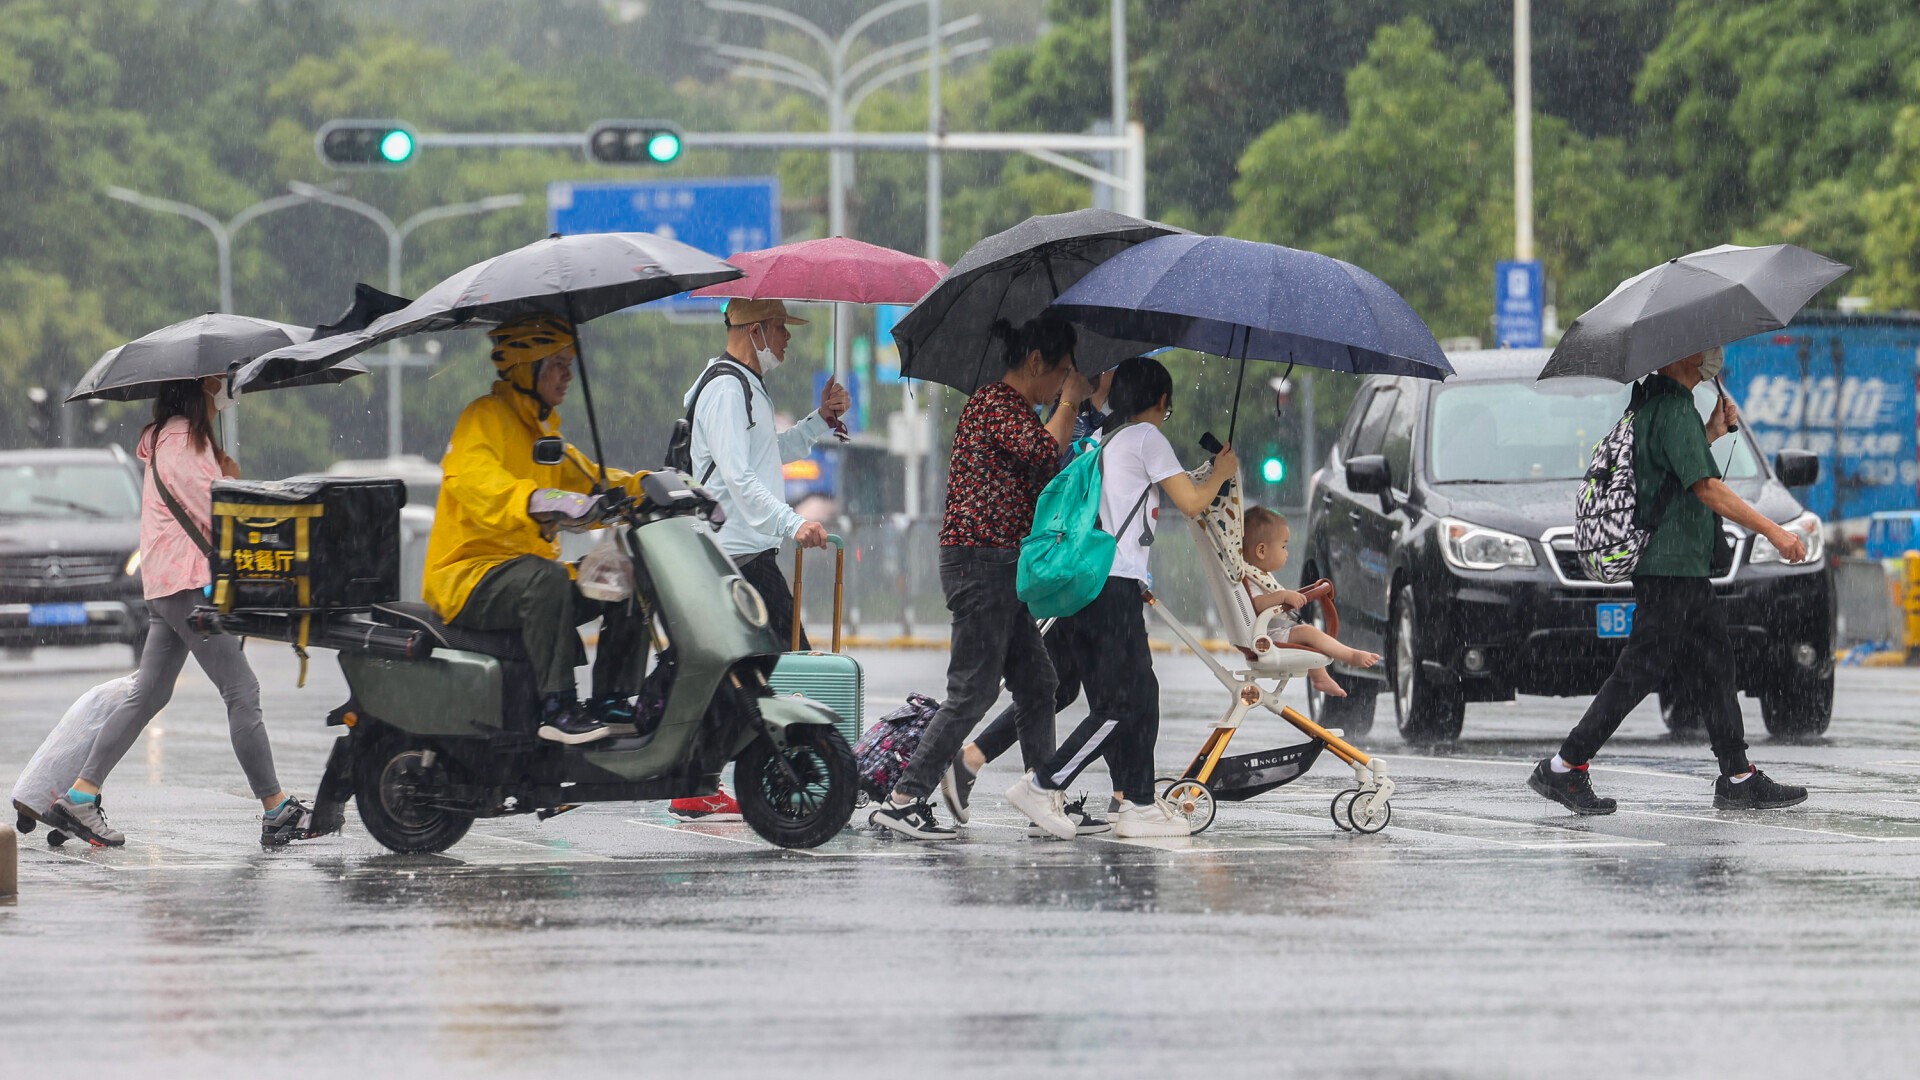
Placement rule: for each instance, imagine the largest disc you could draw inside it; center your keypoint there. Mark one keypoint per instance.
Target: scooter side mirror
(1797, 468)
(551, 450)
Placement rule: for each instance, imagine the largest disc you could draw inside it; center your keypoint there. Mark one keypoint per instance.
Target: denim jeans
(994, 637)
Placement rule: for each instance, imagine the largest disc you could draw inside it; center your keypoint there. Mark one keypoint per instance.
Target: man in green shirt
(1677, 619)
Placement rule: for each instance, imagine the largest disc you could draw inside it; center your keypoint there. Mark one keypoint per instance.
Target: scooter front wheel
(806, 814)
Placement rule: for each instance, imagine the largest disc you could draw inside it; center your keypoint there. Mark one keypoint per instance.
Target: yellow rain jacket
(481, 520)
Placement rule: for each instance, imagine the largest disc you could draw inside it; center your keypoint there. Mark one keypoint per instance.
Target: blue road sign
(721, 217)
(886, 351)
(1518, 304)
(1843, 389)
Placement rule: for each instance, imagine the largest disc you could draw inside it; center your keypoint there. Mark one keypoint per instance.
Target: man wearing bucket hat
(737, 454)
(493, 562)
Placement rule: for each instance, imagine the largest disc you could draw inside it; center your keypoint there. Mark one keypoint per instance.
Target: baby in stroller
(1263, 544)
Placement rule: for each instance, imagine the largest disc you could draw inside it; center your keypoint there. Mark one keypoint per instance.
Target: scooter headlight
(1806, 527)
(1476, 547)
(746, 600)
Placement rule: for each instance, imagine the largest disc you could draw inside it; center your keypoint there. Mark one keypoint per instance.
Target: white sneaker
(1135, 821)
(1044, 808)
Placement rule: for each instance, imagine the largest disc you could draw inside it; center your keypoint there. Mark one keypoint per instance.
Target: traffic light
(634, 142)
(366, 144)
(1273, 466)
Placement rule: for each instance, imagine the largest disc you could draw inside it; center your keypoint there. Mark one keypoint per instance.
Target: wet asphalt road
(1485, 934)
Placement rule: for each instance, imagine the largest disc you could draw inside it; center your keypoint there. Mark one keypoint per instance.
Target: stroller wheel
(55, 838)
(1371, 819)
(1194, 801)
(1338, 809)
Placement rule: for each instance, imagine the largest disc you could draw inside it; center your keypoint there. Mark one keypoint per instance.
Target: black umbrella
(210, 344)
(579, 277)
(1689, 305)
(1014, 275)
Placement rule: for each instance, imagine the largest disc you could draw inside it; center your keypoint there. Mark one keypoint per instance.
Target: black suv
(1444, 517)
(69, 550)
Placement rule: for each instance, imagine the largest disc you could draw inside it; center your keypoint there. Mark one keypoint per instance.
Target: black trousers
(993, 637)
(1108, 640)
(1676, 622)
(762, 571)
(537, 597)
(1003, 730)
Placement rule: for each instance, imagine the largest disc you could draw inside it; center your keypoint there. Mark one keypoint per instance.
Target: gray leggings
(168, 643)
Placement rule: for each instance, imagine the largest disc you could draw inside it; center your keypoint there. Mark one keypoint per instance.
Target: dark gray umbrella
(210, 344)
(580, 277)
(1014, 275)
(1689, 305)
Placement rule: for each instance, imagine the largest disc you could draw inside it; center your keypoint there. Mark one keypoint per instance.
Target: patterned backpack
(1607, 534)
(883, 752)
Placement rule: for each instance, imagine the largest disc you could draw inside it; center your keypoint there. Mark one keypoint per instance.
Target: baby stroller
(1213, 776)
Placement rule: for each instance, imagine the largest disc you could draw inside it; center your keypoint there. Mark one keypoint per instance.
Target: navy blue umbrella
(1251, 301)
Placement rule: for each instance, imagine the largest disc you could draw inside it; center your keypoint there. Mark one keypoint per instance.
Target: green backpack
(1065, 561)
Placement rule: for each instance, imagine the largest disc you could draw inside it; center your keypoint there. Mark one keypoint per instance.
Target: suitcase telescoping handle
(839, 587)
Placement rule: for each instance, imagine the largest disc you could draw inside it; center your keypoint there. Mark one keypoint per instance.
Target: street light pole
(223, 248)
(834, 88)
(1523, 129)
(396, 243)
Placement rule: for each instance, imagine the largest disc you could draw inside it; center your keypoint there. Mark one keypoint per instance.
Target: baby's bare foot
(1323, 682)
(1359, 659)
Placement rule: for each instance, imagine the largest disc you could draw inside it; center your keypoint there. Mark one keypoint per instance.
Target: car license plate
(57, 615)
(1613, 620)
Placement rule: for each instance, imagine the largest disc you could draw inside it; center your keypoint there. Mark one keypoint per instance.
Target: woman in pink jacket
(183, 460)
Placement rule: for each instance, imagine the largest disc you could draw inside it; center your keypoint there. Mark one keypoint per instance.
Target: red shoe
(716, 807)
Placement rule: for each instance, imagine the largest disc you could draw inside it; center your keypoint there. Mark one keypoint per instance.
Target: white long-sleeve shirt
(746, 461)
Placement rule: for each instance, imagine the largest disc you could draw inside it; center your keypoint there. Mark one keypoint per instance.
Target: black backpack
(680, 443)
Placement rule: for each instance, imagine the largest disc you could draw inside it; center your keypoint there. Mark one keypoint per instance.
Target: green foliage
(1418, 186)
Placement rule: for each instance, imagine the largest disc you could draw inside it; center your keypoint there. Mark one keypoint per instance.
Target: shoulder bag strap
(173, 505)
(714, 371)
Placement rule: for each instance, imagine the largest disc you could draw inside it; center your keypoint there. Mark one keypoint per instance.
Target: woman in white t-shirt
(1108, 638)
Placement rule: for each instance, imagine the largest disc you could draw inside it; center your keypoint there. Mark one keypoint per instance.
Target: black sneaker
(956, 786)
(1570, 789)
(1756, 792)
(293, 821)
(566, 722)
(1084, 823)
(615, 714)
(915, 821)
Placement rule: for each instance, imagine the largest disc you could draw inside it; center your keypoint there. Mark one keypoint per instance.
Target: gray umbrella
(1688, 305)
(580, 277)
(1014, 275)
(210, 344)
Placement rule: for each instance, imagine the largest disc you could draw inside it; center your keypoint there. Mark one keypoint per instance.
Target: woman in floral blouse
(1002, 456)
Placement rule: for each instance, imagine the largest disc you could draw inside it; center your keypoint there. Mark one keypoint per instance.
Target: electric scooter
(440, 725)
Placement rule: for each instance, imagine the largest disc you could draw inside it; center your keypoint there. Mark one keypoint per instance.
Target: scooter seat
(413, 615)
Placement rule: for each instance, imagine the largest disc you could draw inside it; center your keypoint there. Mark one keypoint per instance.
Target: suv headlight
(1806, 527)
(133, 564)
(1475, 547)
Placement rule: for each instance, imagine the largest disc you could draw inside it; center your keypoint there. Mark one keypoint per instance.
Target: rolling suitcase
(833, 679)
(65, 750)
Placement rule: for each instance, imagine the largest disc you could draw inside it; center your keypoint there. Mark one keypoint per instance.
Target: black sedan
(69, 550)
(1444, 518)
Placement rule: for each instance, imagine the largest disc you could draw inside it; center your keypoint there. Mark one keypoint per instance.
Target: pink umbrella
(837, 270)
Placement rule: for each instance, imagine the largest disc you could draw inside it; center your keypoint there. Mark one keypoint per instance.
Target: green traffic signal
(397, 146)
(366, 144)
(1273, 470)
(664, 146)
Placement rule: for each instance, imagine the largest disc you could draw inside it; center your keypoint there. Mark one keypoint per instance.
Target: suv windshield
(1520, 432)
(53, 490)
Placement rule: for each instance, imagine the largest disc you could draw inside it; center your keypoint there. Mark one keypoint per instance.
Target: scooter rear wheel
(392, 783)
(819, 807)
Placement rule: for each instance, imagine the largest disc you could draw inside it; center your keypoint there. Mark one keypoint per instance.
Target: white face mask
(1713, 364)
(223, 397)
(762, 353)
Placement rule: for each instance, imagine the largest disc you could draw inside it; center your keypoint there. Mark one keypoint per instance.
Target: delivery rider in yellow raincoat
(491, 565)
